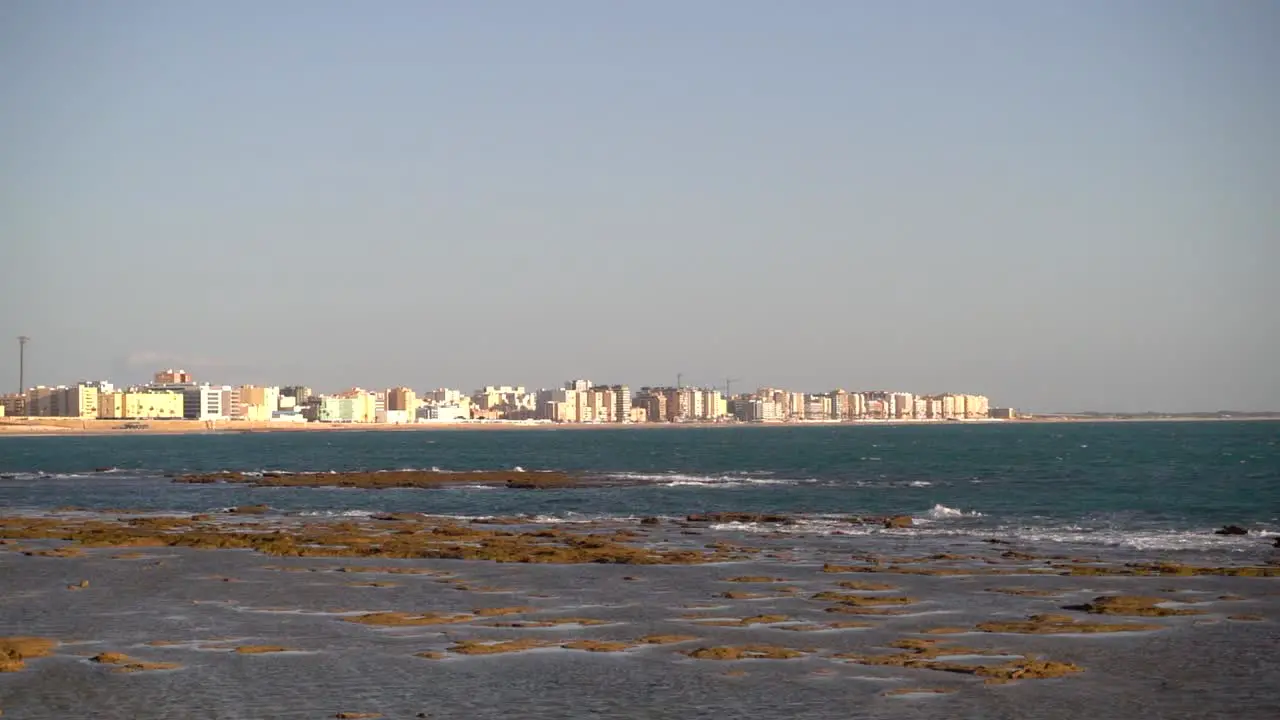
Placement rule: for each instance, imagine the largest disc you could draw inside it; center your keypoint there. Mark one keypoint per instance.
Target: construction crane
(728, 383)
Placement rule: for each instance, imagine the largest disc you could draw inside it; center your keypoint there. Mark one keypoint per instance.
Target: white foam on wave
(1142, 539)
(337, 513)
(942, 512)
(816, 526)
(919, 483)
(709, 481)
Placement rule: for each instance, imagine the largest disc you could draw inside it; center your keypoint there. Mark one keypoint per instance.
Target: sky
(1061, 205)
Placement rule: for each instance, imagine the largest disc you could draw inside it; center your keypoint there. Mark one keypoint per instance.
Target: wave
(942, 512)
(744, 479)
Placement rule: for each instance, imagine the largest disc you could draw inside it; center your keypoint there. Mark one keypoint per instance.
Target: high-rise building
(300, 393)
(14, 404)
(402, 398)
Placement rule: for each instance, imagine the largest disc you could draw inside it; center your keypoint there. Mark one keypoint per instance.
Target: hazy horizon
(1063, 206)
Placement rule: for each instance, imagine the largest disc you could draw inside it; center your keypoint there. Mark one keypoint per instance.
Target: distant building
(444, 412)
(395, 417)
(14, 404)
(1003, 413)
(300, 394)
(350, 406)
(173, 377)
(762, 410)
(141, 405)
(403, 399)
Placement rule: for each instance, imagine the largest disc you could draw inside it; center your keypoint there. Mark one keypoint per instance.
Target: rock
(260, 649)
(398, 618)
(866, 586)
(744, 652)
(358, 715)
(898, 521)
(125, 664)
(14, 651)
(475, 647)
(650, 521)
(250, 510)
(598, 645)
(666, 639)
(1231, 530)
(1135, 605)
(1057, 625)
(1276, 543)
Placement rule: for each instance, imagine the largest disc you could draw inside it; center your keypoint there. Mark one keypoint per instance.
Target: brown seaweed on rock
(15, 651)
(1133, 605)
(1058, 625)
(744, 652)
(375, 539)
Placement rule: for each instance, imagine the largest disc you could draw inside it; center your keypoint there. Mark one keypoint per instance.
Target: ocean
(1001, 513)
(1158, 485)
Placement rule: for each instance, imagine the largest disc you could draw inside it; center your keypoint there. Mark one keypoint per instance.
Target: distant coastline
(46, 426)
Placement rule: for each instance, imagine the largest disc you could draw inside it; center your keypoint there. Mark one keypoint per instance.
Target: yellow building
(976, 406)
(81, 401)
(154, 405)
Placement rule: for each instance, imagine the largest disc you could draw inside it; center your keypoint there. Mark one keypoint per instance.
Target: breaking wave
(705, 481)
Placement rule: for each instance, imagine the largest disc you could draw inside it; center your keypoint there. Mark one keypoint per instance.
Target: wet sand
(249, 616)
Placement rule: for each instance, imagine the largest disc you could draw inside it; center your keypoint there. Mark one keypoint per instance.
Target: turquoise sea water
(1160, 485)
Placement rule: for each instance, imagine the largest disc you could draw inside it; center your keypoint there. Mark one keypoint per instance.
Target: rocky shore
(668, 596)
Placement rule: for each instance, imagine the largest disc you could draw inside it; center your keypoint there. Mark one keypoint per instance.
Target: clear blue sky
(1063, 205)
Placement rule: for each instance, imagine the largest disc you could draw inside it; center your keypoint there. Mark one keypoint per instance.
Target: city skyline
(176, 394)
(744, 387)
(1070, 206)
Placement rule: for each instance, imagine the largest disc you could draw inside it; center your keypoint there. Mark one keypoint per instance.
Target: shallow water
(1113, 493)
(1195, 666)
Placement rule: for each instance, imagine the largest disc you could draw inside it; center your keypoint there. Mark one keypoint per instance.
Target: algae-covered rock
(125, 664)
(744, 652)
(260, 649)
(854, 600)
(745, 622)
(598, 645)
(866, 586)
(500, 611)
(1058, 625)
(898, 521)
(754, 579)
(15, 651)
(670, 639)
(477, 647)
(1026, 668)
(399, 618)
(1134, 605)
